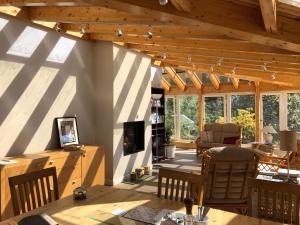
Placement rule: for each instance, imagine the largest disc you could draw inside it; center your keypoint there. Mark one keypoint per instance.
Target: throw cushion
(230, 140)
(206, 136)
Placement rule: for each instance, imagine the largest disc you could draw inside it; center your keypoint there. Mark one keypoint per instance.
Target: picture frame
(67, 131)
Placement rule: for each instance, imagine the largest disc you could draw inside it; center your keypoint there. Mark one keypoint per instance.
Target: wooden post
(200, 111)
(257, 111)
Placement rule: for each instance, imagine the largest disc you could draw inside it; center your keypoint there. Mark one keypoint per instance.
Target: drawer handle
(51, 162)
(74, 182)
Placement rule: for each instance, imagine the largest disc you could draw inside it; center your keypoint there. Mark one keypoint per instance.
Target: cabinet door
(93, 167)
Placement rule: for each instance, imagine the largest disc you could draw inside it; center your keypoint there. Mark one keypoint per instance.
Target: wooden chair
(32, 190)
(226, 182)
(179, 185)
(274, 200)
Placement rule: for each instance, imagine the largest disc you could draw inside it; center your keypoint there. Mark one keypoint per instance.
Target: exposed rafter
(195, 79)
(165, 84)
(235, 82)
(268, 10)
(176, 78)
(182, 5)
(214, 80)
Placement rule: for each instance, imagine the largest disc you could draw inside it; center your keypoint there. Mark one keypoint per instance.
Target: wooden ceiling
(256, 40)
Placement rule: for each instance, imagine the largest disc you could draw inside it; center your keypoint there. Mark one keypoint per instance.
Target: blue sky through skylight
(61, 50)
(3, 22)
(27, 42)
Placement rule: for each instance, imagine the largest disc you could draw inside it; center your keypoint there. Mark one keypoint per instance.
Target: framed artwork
(67, 131)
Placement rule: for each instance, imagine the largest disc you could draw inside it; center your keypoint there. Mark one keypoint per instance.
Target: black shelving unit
(158, 137)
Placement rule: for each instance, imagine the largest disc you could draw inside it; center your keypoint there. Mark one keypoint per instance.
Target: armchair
(227, 134)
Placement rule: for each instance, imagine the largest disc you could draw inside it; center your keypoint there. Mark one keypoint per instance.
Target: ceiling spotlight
(233, 70)
(273, 76)
(189, 58)
(212, 69)
(249, 83)
(163, 2)
(149, 34)
(119, 32)
(57, 27)
(264, 67)
(164, 56)
(82, 30)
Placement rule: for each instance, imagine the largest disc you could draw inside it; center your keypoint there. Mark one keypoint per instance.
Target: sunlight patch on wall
(8, 72)
(25, 106)
(57, 109)
(61, 51)
(122, 74)
(27, 42)
(10, 10)
(3, 23)
(132, 99)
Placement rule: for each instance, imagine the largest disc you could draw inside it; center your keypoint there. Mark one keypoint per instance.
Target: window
(243, 112)
(188, 117)
(170, 114)
(271, 113)
(27, 42)
(214, 109)
(293, 107)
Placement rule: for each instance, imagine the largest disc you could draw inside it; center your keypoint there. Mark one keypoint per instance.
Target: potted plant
(169, 148)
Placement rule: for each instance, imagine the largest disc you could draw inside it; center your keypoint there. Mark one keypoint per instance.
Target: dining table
(104, 203)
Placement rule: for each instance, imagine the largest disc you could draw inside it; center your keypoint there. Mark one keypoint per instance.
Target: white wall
(33, 91)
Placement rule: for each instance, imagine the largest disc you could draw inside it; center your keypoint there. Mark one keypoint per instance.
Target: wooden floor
(184, 160)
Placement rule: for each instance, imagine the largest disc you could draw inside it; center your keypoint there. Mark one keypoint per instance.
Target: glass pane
(188, 117)
(243, 112)
(294, 111)
(214, 109)
(169, 115)
(271, 113)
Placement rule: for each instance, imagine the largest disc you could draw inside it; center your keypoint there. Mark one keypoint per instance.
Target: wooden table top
(103, 200)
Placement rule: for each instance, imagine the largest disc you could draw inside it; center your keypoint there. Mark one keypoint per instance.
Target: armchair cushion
(206, 136)
(230, 140)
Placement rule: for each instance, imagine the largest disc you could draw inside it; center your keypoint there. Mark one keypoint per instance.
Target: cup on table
(205, 221)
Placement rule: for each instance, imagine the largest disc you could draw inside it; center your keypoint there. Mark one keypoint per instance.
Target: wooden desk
(108, 199)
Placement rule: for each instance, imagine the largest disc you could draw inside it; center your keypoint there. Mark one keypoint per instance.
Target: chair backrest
(274, 200)
(226, 180)
(223, 130)
(32, 190)
(178, 185)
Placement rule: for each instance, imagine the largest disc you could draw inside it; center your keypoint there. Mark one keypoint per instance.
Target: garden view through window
(280, 110)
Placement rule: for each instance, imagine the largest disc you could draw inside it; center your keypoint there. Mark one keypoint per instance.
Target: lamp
(288, 143)
(268, 131)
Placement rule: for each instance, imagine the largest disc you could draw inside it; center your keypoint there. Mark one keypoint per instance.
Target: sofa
(219, 135)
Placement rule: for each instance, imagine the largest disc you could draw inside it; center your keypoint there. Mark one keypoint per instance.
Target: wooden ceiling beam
(214, 80)
(175, 77)
(235, 82)
(195, 79)
(250, 64)
(198, 43)
(269, 14)
(87, 14)
(157, 30)
(263, 57)
(165, 84)
(281, 79)
(182, 5)
(219, 16)
(21, 3)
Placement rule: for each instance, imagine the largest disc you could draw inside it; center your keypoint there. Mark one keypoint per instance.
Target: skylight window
(3, 23)
(27, 42)
(61, 50)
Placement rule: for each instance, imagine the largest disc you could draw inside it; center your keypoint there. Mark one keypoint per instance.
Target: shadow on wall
(132, 93)
(42, 76)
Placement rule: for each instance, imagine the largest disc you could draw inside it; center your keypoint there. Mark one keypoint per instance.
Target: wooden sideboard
(84, 167)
